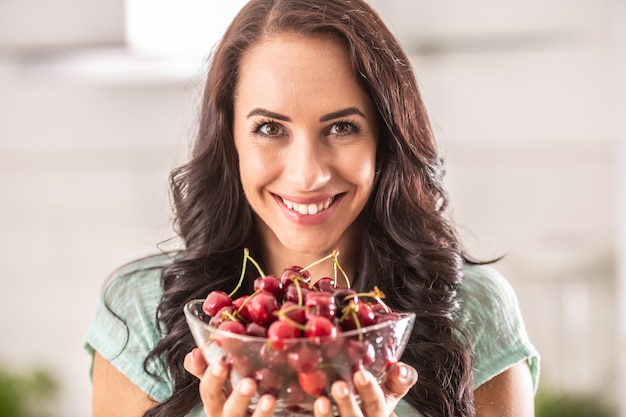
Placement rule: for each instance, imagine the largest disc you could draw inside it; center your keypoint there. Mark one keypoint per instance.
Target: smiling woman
(313, 137)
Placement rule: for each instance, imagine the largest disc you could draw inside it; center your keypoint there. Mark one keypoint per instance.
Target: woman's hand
(216, 403)
(376, 401)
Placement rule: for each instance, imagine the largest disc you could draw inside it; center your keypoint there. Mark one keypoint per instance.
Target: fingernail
(246, 388)
(407, 374)
(404, 373)
(323, 406)
(218, 369)
(362, 378)
(340, 390)
(265, 404)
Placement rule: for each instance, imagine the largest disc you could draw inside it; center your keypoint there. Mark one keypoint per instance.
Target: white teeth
(308, 209)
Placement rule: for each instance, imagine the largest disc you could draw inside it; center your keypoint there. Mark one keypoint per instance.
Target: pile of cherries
(300, 324)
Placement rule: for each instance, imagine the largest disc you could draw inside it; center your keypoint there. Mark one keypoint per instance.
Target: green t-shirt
(488, 310)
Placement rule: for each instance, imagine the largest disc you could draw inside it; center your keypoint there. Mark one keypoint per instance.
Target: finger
(322, 407)
(237, 403)
(195, 364)
(265, 407)
(345, 400)
(401, 378)
(371, 394)
(211, 388)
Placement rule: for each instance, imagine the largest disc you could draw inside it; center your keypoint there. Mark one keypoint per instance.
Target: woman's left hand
(376, 401)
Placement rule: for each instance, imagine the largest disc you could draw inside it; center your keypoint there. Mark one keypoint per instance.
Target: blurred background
(98, 102)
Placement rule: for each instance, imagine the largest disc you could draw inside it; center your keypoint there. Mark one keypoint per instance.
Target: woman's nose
(307, 166)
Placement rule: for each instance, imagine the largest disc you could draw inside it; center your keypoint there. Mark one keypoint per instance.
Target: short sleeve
(490, 313)
(124, 328)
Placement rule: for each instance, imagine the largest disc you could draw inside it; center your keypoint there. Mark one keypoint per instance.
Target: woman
(313, 137)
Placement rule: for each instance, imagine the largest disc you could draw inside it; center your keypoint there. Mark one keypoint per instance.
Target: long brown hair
(409, 249)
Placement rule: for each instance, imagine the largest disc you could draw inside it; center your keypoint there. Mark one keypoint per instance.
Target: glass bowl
(298, 370)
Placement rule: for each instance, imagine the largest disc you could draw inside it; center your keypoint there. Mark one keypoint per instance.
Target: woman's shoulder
(490, 313)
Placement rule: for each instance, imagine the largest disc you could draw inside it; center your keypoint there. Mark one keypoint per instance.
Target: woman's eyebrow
(349, 111)
(267, 113)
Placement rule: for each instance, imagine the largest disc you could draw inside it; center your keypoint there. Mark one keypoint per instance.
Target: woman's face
(306, 134)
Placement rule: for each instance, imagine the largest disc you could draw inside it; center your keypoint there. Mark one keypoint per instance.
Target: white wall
(526, 118)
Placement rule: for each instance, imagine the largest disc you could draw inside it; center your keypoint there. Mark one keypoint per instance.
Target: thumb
(401, 378)
(195, 363)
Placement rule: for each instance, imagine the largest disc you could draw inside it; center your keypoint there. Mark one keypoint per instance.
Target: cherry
(357, 315)
(256, 330)
(360, 353)
(304, 358)
(292, 311)
(230, 344)
(215, 301)
(325, 284)
(279, 331)
(295, 292)
(319, 327)
(270, 283)
(225, 313)
(260, 308)
(269, 381)
(272, 356)
(343, 296)
(313, 383)
(320, 304)
(292, 274)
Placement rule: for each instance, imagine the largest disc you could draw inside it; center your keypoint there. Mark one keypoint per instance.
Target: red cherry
(230, 344)
(358, 315)
(260, 308)
(343, 296)
(270, 283)
(292, 311)
(304, 358)
(325, 284)
(296, 292)
(225, 313)
(273, 357)
(359, 353)
(215, 301)
(279, 331)
(294, 273)
(256, 330)
(320, 326)
(313, 383)
(320, 304)
(269, 381)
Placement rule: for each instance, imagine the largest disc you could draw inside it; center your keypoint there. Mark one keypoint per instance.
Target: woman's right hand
(215, 401)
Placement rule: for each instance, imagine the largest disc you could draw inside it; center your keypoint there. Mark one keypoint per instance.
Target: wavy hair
(409, 249)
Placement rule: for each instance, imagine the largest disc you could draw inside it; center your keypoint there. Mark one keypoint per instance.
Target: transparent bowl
(301, 365)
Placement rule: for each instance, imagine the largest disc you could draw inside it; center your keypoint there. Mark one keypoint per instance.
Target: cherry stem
(333, 255)
(337, 265)
(246, 258)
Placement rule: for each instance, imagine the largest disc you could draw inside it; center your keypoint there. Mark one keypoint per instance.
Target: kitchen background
(98, 100)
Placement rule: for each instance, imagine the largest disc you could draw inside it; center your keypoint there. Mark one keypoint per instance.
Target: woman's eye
(341, 128)
(270, 129)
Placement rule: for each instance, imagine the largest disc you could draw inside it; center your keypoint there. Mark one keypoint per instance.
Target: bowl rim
(190, 315)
